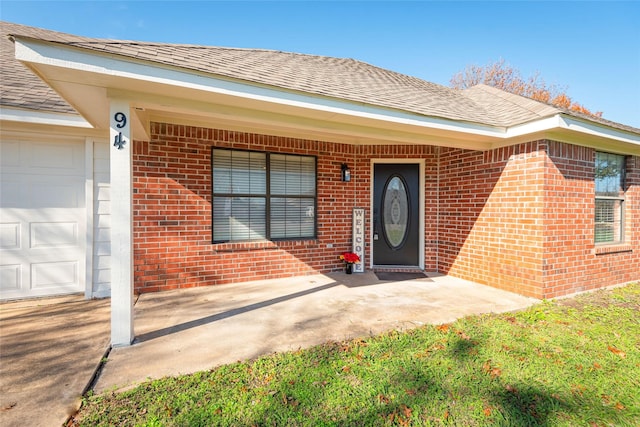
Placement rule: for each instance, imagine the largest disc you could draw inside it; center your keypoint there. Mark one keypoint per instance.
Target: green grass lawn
(573, 362)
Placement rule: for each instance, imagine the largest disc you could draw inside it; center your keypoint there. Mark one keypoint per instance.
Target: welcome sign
(358, 238)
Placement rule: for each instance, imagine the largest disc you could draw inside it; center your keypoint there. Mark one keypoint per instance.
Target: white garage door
(42, 218)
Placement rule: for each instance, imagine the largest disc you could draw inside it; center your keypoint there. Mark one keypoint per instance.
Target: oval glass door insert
(395, 211)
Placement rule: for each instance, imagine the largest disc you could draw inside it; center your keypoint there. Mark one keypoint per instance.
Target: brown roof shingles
(19, 87)
(339, 78)
(507, 107)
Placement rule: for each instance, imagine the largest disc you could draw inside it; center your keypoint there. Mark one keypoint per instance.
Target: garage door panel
(43, 158)
(41, 192)
(10, 235)
(10, 278)
(42, 219)
(54, 234)
(56, 192)
(60, 157)
(55, 275)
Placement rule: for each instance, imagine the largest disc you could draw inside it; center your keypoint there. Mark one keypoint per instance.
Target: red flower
(350, 257)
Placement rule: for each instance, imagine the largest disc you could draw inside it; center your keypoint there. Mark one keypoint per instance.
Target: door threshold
(398, 269)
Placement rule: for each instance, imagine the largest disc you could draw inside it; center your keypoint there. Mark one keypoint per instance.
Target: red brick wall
(172, 209)
(172, 212)
(573, 263)
(521, 218)
(490, 222)
(518, 218)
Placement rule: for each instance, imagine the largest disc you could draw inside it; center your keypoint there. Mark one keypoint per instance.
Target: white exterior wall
(101, 221)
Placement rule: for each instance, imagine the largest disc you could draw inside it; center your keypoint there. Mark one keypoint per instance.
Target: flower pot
(349, 268)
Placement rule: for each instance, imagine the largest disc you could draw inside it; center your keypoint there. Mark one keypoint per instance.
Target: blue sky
(590, 48)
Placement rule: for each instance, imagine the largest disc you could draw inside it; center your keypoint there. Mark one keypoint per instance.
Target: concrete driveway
(50, 350)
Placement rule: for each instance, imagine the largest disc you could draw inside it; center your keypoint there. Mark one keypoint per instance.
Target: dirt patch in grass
(625, 297)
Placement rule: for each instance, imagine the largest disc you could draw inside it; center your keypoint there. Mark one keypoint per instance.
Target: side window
(258, 196)
(609, 203)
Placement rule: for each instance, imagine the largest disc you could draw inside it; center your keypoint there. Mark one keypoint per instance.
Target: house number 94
(121, 121)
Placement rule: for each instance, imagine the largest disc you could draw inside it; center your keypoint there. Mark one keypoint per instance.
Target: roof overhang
(43, 118)
(19, 120)
(88, 79)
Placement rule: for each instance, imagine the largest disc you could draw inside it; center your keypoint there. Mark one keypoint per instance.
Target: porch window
(609, 203)
(258, 196)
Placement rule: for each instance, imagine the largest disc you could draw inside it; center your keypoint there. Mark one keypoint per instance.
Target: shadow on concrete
(229, 313)
(351, 281)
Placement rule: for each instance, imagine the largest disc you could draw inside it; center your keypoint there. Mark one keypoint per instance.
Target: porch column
(121, 224)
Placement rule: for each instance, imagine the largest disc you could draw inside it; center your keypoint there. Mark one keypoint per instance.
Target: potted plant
(349, 259)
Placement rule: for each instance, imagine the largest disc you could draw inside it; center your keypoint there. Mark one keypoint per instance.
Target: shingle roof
(516, 109)
(339, 78)
(507, 107)
(19, 87)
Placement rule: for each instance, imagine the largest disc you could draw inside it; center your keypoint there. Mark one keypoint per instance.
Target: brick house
(132, 167)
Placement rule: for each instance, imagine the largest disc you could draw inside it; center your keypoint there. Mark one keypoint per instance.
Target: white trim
(562, 121)
(89, 206)
(589, 128)
(541, 125)
(43, 118)
(421, 196)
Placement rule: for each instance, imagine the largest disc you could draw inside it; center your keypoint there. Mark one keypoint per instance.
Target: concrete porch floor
(185, 331)
(50, 348)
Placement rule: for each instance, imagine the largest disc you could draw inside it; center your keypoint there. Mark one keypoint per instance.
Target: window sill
(258, 245)
(612, 249)
(244, 246)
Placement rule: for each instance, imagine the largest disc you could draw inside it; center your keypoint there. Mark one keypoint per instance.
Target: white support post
(121, 224)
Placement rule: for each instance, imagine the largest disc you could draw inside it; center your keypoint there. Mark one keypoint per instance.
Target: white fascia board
(110, 65)
(595, 129)
(43, 118)
(563, 122)
(537, 126)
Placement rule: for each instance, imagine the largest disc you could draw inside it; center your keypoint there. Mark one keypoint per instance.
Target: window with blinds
(609, 202)
(259, 196)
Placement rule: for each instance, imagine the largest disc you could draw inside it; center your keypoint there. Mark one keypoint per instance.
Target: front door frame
(421, 202)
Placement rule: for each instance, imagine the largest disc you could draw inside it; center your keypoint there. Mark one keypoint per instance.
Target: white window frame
(610, 196)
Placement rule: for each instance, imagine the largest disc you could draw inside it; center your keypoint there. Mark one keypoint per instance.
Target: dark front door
(396, 210)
